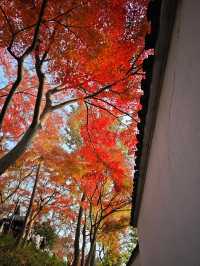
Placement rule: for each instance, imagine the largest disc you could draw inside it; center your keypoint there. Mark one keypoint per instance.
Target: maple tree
(106, 205)
(69, 98)
(102, 175)
(76, 52)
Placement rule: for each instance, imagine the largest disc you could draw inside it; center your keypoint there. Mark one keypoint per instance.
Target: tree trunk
(29, 227)
(23, 234)
(11, 157)
(11, 92)
(20, 61)
(92, 251)
(77, 235)
(83, 244)
(93, 256)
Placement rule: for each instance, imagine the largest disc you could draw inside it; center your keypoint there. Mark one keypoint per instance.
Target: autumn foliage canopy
(69, 97)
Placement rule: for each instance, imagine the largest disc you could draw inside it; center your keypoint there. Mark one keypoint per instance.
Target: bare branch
(115, 107)
(20, 61)
(100, 107)
(64, 13)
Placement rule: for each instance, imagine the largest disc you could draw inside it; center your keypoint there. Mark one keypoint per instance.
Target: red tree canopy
(69, 97)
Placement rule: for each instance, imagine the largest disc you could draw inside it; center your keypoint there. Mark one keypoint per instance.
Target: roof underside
(161, 14)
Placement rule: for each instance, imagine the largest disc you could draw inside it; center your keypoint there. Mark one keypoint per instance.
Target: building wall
(169, 218)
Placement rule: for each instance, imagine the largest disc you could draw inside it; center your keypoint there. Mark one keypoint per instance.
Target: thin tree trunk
(31, 221)
(93, 256)
(92, 249)
(10, 158)
(23, 234)
(83, 244)
(29, 227)
(11, 92)
(77, 235)
(20, 61)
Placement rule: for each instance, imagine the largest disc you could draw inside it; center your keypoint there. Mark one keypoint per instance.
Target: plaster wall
(169, 218)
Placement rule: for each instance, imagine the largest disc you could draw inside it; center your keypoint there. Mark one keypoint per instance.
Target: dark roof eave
(167, 10)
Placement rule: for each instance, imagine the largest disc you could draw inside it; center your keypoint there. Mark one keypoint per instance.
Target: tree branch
(20, 60)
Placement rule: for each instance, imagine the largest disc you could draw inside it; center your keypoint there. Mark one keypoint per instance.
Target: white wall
(169, 219)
